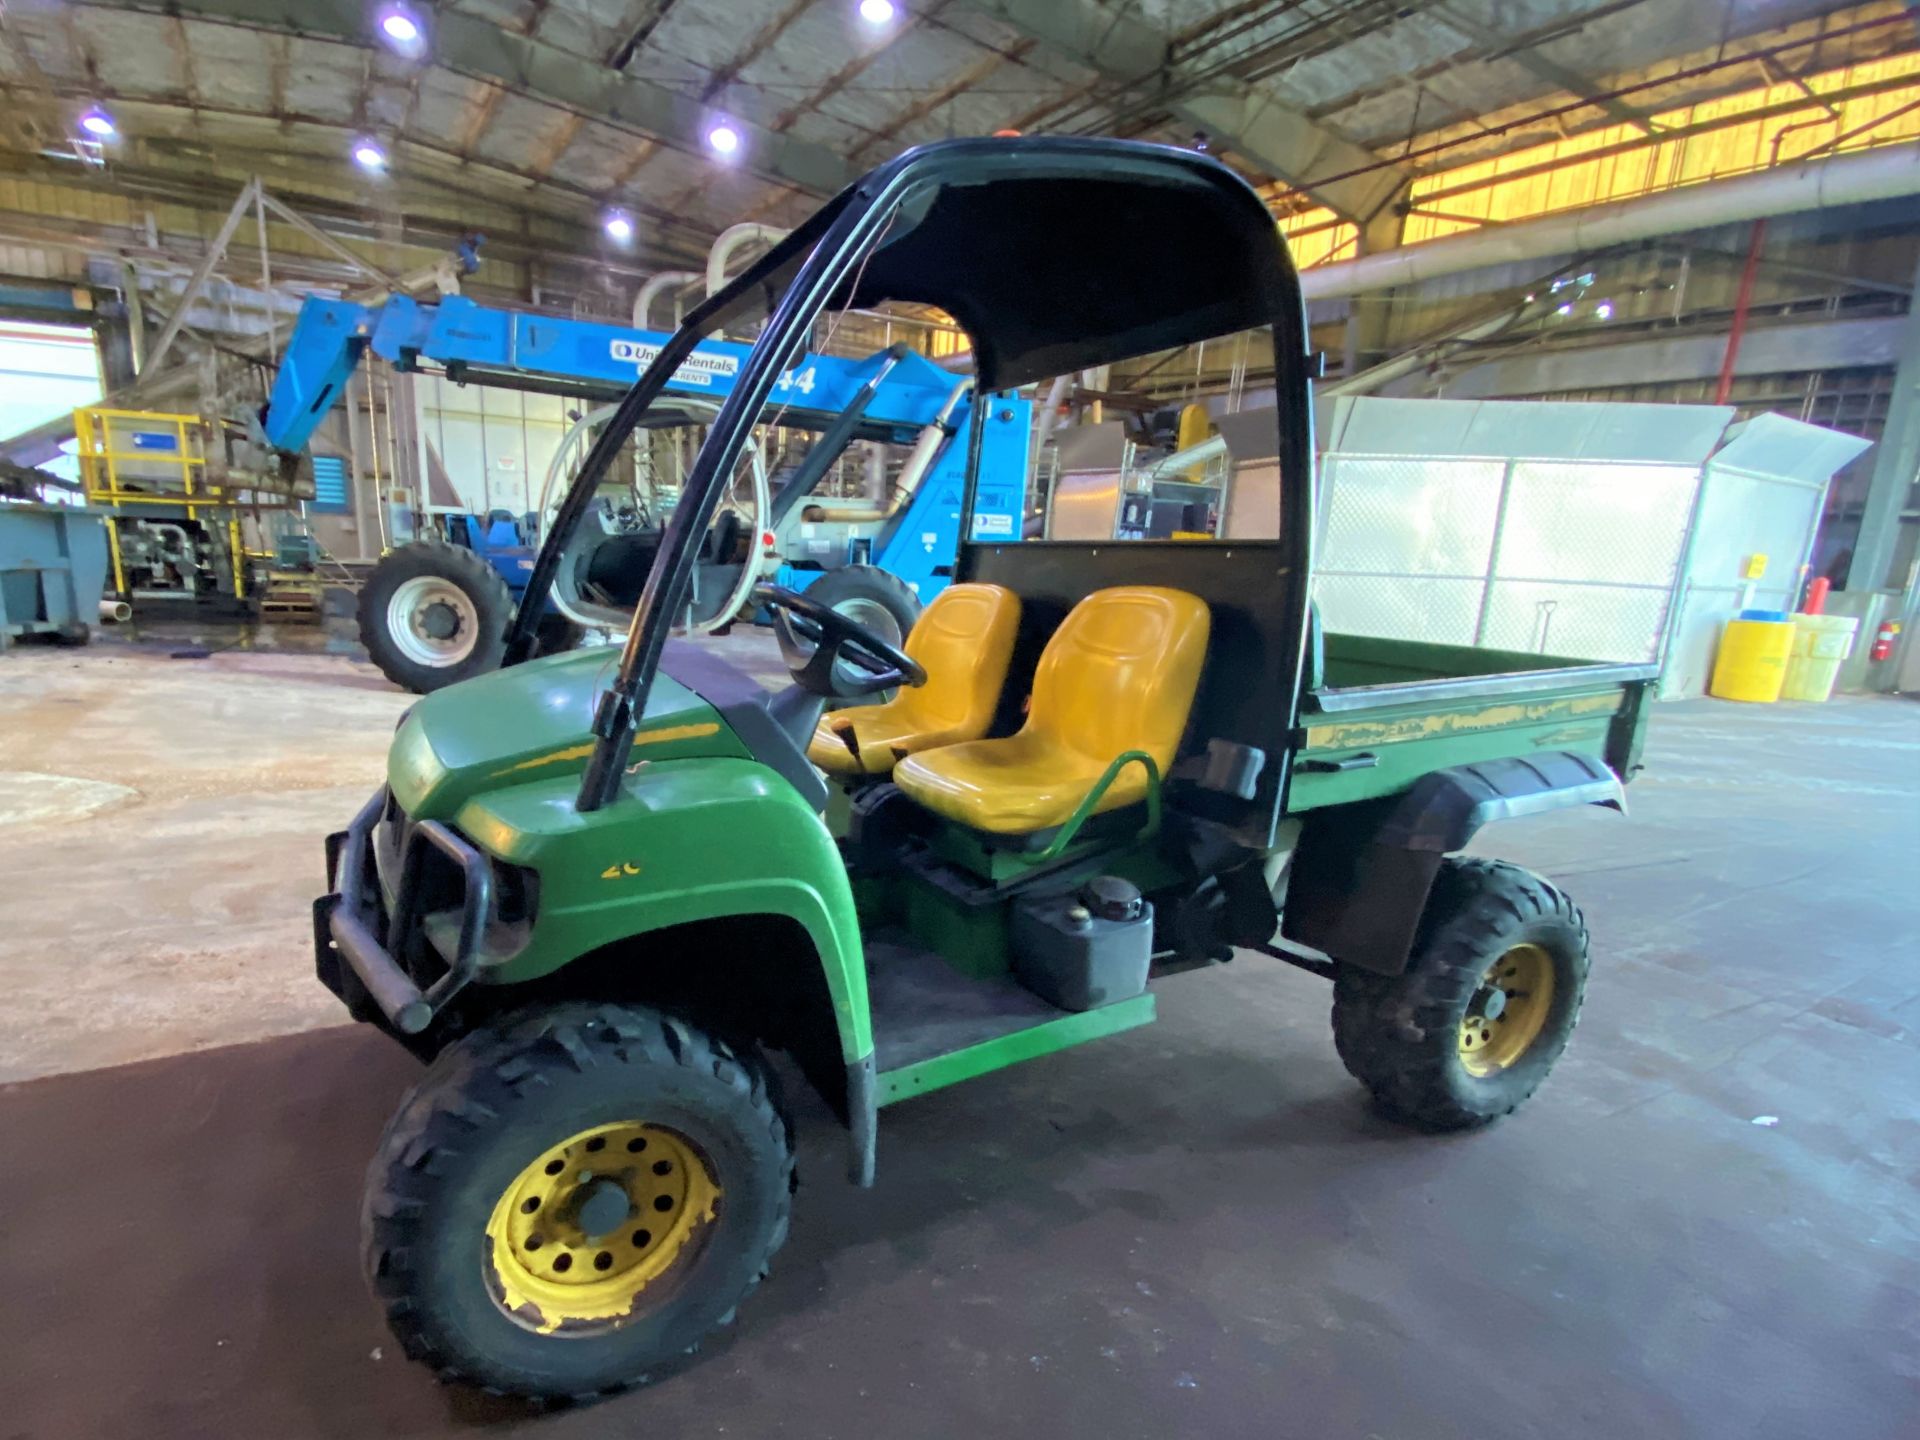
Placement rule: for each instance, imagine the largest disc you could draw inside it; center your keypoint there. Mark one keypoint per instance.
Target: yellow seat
(1118, 675)
(964, 640)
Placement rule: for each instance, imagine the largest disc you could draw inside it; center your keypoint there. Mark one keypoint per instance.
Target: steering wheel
(815, 637)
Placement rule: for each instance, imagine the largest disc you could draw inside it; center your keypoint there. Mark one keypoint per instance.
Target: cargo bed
(1380, 713)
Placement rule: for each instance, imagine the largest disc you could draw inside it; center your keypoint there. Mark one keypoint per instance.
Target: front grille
(425, 952)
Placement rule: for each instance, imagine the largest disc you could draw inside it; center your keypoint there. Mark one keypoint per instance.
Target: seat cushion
(880, 735)
(1015, 786)
(1119, 675)
(964, 641)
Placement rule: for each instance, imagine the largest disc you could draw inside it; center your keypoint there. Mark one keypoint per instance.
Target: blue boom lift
(434, 612)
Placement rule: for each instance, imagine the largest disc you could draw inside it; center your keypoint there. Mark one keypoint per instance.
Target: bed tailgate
(1364, 742)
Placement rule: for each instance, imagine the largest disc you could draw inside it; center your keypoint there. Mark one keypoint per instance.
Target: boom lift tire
(655, 1157)
(433, 614)
(878, 599)
(865, 592)
(1487, 1002)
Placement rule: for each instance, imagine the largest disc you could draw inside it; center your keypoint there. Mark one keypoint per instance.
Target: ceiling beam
(482, 50)
(1269, 134)
(436, 165)
(1554, 73)
(716, 85)
(635, 28)
(768, 37)
(963, 80)
(479, 117)
(555, 145)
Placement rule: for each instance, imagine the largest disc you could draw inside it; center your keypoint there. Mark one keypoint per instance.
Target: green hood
(534, 722)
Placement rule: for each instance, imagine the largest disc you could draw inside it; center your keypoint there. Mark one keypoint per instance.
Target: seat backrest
(964, 639)
(1120, 673)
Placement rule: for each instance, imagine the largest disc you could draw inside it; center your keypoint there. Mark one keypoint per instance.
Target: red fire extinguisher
(1883, 641)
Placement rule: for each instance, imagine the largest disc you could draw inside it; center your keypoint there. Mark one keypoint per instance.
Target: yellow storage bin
(1752, 663)
(1820, 644)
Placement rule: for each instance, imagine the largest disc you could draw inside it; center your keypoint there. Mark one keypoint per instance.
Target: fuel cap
(1111, 898)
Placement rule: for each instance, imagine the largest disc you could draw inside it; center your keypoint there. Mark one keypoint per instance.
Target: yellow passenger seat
(963, 640)
(1118, 675)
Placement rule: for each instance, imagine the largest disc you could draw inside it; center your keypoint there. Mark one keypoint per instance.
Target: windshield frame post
(855, 232)
(586, 484)
(978, 407)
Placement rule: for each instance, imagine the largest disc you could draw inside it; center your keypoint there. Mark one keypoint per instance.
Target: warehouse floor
(1705, 1225)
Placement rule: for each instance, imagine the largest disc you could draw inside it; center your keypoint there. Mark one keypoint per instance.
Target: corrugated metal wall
(495, 445)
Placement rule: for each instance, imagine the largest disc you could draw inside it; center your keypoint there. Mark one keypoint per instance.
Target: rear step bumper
(356, 940)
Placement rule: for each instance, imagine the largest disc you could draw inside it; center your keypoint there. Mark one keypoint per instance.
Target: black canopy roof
(1056, 254)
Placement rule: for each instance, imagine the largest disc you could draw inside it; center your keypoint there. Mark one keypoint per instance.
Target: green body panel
(996, 1054)
(533, 722)
(1415, 740)
(970, 938)
(500, 756)
(703, 831)
(1414, 734)
(648, 861)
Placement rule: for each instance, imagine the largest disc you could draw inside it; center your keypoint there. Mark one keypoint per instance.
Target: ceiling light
(369, 156)
(876, 12)
(724, 139)
(1604, 310)
(97, 123)
(618, 227)
(400, 27)
(1564, 310)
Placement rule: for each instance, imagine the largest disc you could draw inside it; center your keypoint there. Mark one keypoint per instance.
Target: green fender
(688, 840)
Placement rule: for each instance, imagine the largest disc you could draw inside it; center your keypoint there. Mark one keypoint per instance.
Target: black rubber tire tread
(472, 1095)
(492, 604)
(1398, 1034)
(884, 588)
(870, 582)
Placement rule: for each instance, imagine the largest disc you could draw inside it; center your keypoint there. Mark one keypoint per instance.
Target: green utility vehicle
(595, 890)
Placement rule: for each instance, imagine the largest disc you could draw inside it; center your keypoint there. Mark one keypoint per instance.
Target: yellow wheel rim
(598, 1222)
(1508, 1011)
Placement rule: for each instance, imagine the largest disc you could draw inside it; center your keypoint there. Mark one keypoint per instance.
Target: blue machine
(475, 344)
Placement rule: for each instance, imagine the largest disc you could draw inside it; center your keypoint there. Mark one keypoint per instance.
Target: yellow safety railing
(172, 474)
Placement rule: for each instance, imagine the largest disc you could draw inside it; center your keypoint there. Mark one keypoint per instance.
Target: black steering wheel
(815, 637)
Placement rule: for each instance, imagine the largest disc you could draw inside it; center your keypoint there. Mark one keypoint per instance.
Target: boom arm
(537, 352)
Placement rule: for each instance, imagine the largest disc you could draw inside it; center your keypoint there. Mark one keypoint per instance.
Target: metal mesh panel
(1579, 622)
(1438, 608)
(1594, 521)
(1577, 559)
(1407, 515)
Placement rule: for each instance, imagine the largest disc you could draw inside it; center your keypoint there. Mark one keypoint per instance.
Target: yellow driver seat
(964, 640)
(1118, 675)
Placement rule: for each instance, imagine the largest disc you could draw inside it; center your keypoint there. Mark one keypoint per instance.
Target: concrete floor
(1705, 1225)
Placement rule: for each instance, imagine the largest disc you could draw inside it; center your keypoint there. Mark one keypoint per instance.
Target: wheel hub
(432, 621)
(601, 1207)
(1508, 1012)
(592, 1225)
(438, 621)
